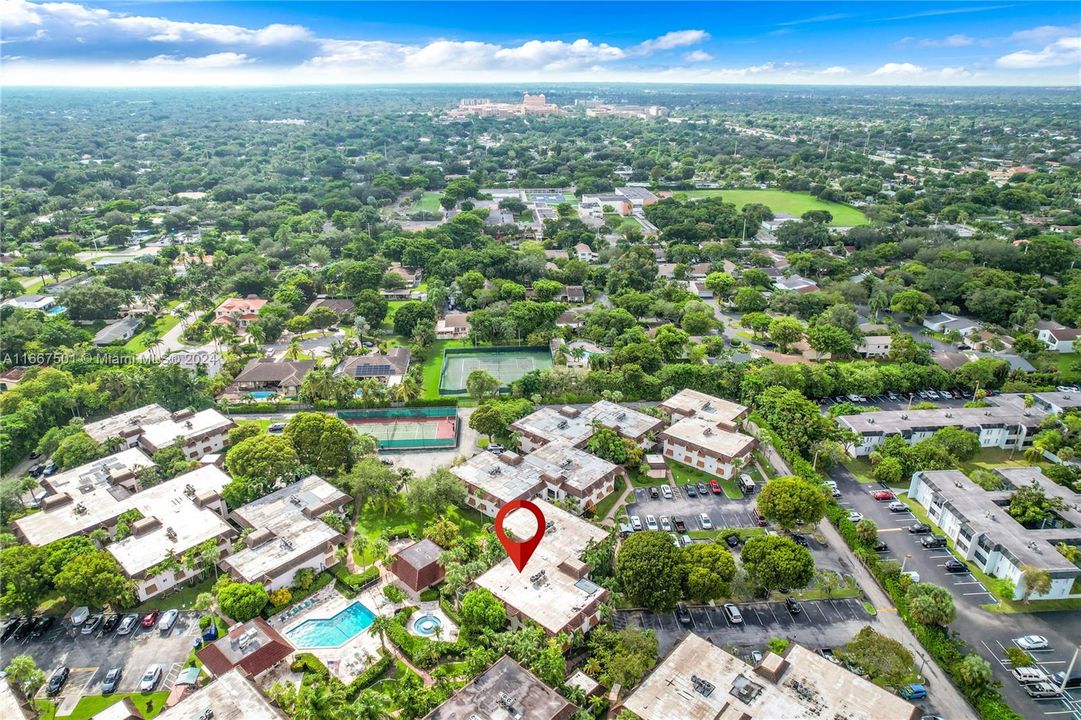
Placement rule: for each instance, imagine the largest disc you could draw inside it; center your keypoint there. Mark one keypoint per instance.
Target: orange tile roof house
(254, 647)
(239, 312)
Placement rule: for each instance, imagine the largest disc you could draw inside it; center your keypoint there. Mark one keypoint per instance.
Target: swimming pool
(332, 631)
(427, 625)
(262, 394)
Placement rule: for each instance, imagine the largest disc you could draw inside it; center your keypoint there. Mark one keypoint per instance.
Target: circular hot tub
(427, 625)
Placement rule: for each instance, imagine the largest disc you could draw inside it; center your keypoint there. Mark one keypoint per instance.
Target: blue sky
(82, 42)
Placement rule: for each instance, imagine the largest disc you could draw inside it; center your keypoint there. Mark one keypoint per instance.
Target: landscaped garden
(149, 704)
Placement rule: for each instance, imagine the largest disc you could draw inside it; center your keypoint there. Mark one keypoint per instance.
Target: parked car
(127, 624)
(685, 539)
(36, 470)
(756, 657)
(913, 692)
(651, 522)
(56, 682)
(1032, 642)
(883, 495)
(276, 428)
(42, 625)
(666, 490)
(50, 469)
(881, 547)
(23, 630)
(954, 565)
(831, 486)
(715, 487)
(111, 681)
(683, 614)
(919, 528)
(800, 539)
(496, 449)
(1042, 691)
(691, 490)
(759, 518)
(911, 575)
(666, 524)
(9, 628)
(933, 541)
(211, 633)
(1029, 675)
(111, 621)
(793, 606)
(734, 615)
(654, 494)
(91, 625)
(897, 506)
(854, 517)
(168, 619)
(1073, 682)
(678, 524)
(636, 523)
(702, 489)
(150, 678)
(732, 540)
(151, 617)
(675, 539)
(707, 524)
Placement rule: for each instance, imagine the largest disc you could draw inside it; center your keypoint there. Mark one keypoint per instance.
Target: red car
(150, 618)
(715, 487)
(883, 495)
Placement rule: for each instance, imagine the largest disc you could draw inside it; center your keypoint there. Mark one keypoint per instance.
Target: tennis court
(547, 198)
(406, 428)
(504, 364)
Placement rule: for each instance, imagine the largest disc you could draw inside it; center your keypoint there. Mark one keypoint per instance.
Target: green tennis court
(405, 429)
(504, 364)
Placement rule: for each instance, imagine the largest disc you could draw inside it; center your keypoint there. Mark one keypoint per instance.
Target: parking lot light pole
(905, 561)
(1066, 675)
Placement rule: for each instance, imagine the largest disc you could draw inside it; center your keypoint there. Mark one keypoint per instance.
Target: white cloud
(1043, 33)
(1065, 51)
(959, 40)
(835, 70)
(909, 72)
(216, 60)
(697, 56)
(672, 40)
(66, 18)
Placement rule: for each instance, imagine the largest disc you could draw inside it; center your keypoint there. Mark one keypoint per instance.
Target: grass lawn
(604, 506)
(261, 424)
(374, 523)
(783, 201)
(991, 458)
(1065, 362)
(392, 307)
(433, 365)
(848, 590)
(93, 704)
(429, 202)
(745, 534)
(181, 600)
(163, 325)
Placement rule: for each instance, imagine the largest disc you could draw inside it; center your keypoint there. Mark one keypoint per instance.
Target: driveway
(90, 657)
(1056, 627)
(722, 512)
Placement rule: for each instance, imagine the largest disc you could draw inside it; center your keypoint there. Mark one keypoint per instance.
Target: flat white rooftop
(699, 681)
(230, 697)
(128, 423)
(164, 433)
(551, 589)
(691, 402)
(183, 523)
(706, 434)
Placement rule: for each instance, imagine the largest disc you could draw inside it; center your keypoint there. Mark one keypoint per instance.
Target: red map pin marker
(519, 552)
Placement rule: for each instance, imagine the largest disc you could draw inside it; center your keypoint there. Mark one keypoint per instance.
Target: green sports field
(429, 202)
(783, 201)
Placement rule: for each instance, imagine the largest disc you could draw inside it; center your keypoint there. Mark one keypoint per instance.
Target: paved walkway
(609, 519)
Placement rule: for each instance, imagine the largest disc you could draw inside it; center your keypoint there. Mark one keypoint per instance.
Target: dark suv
(933, 541)
(56, 682)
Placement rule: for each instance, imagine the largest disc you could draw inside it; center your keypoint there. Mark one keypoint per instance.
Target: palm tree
(370, 706)
(154, 341)
(294, 350)
(379, 627)
(337, 350)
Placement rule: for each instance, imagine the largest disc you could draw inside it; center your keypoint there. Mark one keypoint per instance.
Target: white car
(707, 524)
(636, 523)
(150, 678)
(855, 516)
(168, 619)
(651, 522)
(666, 490)
(666, 524)
(1032, 642)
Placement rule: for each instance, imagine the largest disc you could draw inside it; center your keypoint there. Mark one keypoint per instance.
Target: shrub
(281, 597)
(394, 593)
(308, 663)
(304, 578)
(1019, 657)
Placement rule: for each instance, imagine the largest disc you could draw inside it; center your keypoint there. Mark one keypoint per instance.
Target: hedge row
(321, 581)
(369, 676)
(349, 584)
(947, 649)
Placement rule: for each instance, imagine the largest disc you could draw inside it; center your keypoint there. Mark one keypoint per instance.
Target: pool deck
(348, 660)
(449, 631)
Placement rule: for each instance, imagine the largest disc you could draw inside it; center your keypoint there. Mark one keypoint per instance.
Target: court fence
(409, 415)
(507, 350)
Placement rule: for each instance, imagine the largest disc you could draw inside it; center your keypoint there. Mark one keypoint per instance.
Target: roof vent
(189, 490)
(80, 509)
(702, 686)
(904, 416)
(170, 533)
(708, 431)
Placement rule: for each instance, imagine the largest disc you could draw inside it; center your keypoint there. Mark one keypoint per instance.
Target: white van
(666, 491)
(1029, 675)
(746, 484)
(912, 575)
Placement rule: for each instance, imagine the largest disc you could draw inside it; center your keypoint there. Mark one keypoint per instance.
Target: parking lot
(905, 547)
(722, 512)
(90, 657)
(899, 401)
(822, 623)
(1053, 659)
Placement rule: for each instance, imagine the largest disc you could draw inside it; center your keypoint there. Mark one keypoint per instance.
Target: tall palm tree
(294, 350)
(337, 350)
(379, 627)
(370, 706)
